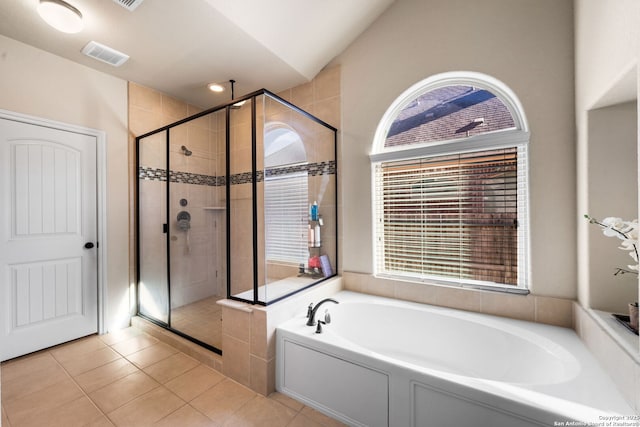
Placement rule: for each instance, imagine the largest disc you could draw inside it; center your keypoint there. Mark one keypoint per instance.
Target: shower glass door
(153, 284)
(196, 226)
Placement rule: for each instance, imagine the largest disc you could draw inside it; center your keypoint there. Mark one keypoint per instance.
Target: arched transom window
(450, 184)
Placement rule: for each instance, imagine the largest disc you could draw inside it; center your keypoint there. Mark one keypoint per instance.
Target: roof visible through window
(447, 113)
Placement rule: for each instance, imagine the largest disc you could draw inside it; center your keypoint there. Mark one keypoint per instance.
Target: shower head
(186, 151)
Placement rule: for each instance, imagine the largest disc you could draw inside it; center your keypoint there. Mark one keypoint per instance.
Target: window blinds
(286, 205)
(457, 217)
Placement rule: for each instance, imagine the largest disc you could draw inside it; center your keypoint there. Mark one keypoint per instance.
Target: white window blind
(286, 208)
(458, 217)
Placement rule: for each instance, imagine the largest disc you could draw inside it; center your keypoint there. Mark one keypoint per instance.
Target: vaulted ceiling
(179, 46)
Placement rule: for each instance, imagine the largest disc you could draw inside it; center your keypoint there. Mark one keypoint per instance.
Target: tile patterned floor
(129, 378)
(201, 320)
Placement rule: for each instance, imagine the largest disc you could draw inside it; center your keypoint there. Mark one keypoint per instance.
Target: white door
(48, 229)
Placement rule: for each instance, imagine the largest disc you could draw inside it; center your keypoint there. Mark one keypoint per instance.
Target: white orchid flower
(627, 231)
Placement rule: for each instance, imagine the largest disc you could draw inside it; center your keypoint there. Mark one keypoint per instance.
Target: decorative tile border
(155, 174)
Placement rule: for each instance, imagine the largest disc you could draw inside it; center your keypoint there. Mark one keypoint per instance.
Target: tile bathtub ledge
(628, 341)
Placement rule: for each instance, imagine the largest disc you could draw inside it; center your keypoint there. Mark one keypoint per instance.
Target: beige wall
(40, 84)
(527, 45)
(607, 38)
(612, 192)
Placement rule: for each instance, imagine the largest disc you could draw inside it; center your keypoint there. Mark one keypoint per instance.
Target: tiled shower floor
(201, 320)
(129, 378)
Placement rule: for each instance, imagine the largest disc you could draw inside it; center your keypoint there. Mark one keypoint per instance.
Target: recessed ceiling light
(215, 87)
(61, 15)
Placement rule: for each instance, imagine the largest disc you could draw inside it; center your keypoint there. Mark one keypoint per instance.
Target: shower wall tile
(302, 95)
(173, 109)
(142, 121)
(179, 136)
(327, 84)
(152, 153)
(203, 122)
(328, 110)
(198, 165)
(145, 98)
(198, 141)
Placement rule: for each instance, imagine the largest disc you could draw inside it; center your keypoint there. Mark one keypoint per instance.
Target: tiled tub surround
(385, 362)
(248, 335)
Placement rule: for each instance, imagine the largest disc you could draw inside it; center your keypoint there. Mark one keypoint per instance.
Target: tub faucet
(311, 312)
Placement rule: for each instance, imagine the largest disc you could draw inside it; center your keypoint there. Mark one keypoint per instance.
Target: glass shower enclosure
(235, 202)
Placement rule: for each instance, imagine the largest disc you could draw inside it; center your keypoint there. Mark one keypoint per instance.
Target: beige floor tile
(171, 367)
(17, 368)
(79, 412)
(320, 418)
(186, 416)
(103, 421)
(123, 391)
(302, 421)
(78, 347)
(120, 335)
(84, 362)
(104, 375)
(261, 412)
(146, 409)
(30, 377)
(24, 408)
(37, 389)
(193, 383)
(152, 354)
(4, 420)
(134, 344)
(287, 401)
(221, 401)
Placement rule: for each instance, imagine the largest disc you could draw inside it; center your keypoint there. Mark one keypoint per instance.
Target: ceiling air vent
(130, 5)
(105, 54)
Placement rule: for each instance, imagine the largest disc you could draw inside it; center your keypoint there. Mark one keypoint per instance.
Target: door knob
(88, 245)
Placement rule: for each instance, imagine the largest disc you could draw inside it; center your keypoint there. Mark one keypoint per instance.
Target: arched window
(286, 196)
(450, 184)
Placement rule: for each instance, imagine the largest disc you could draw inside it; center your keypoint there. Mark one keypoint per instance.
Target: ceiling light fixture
(215, 87)
(61, 15)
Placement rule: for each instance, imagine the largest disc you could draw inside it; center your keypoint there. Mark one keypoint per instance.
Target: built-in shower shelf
(214, 208)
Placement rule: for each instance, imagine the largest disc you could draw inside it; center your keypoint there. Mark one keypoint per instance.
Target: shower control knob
(88, 245)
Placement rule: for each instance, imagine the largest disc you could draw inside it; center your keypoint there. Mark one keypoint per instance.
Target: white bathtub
(383, 362)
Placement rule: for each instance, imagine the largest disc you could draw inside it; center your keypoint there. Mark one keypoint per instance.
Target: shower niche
(235, 202)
